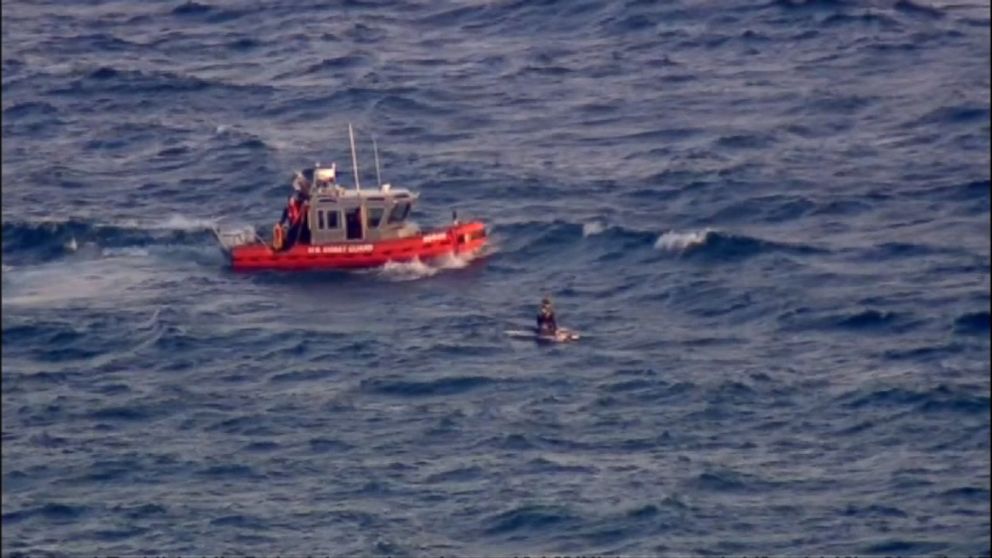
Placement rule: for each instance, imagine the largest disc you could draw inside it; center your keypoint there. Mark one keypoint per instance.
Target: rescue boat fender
(277, 237)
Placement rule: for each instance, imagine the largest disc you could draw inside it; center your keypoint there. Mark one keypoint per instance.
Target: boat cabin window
(375, 216)
(399, 213)
(353, 224)
(328, 220)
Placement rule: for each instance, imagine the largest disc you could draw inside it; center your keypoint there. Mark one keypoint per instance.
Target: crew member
(295, 214)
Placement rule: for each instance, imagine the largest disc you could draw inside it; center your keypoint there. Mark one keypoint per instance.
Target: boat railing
(231, 239)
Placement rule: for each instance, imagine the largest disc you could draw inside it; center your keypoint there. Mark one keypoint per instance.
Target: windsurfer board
(562, 335)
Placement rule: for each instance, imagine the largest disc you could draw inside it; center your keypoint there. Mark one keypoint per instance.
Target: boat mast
(354, 159)
(375, 150)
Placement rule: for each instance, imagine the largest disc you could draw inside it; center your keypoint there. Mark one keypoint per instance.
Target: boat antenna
(354, 159)
(375, 150)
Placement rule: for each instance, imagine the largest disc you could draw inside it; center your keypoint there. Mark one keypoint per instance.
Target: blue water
(769, 220)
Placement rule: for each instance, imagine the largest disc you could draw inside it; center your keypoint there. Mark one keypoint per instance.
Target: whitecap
(418, 269)
(451, 261)
(406, 271)
(678, 241)
(57, 284)
(592, 228)
(124, 251)
(183, 223)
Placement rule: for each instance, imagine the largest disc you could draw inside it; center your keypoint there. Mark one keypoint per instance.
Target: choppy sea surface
(768, 219)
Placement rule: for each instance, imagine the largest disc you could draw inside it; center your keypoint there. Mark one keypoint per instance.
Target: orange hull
(457, 240)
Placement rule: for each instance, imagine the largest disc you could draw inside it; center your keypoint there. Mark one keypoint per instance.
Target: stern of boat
(229, 240)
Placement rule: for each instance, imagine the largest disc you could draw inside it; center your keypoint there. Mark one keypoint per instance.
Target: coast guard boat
(351, 229)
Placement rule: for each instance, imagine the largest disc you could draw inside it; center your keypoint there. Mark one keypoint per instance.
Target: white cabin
(340, 215)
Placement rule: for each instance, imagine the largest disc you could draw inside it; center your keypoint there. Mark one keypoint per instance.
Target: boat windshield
(375, 216)
(399, 213)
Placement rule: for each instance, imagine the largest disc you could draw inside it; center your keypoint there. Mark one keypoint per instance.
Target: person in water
(546, 323)
(295, 213)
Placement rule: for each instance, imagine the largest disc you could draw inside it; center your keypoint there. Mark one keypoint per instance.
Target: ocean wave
(967, 113)
(811, 4)
(866, 17)
(331, 65)
(910, 7)
(28, 109)
(527, 518)
(108, 80)
(51, 511)
(923, 353)
(904, 547)
(726, 480)
(673, 241)
(972, 323)
(444, 386)
(942, 398)
(457, 475)
(416, 269)
(125, 251)
(534, 238)
(530, 239)
(874, 511)
(724, 246)
(40, 241)
(592, 228)
(191, 8)
(865, 319)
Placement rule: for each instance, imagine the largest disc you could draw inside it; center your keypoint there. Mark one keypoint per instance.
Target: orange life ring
(277, 237)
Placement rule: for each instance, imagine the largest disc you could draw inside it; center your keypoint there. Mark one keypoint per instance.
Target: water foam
(451, 261)
(183, 223)
(592, 228)
(124, 251)
(406, 271)
(673, 241)
(56, 284)
(417, 269)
